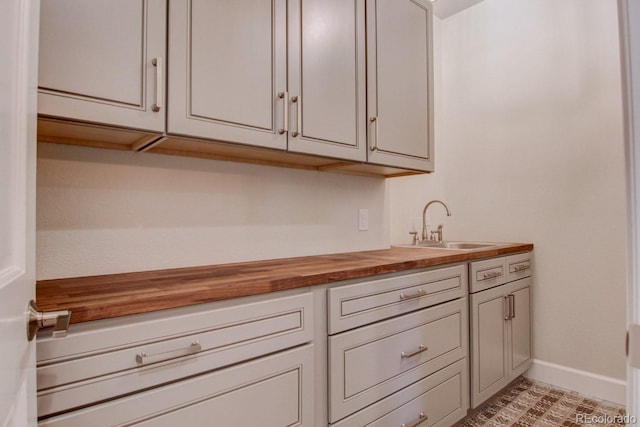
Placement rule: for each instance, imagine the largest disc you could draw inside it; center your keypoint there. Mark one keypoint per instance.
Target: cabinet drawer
(355, 305)
(487, 274)
(372, 362)
(519, 266)
(217, 338)
(273, 391)
(442, 397)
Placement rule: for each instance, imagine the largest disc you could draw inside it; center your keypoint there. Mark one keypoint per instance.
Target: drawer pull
(421, 348)
(521, 267)
(412, 295)
(491, 274)
(143, 357)
(421, 418)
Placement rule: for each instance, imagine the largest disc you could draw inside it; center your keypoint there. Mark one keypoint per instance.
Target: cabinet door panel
(520, 332)
(326, 74)
(489, 363)
(235, 84)
(400, 84)
(93, 70)
(227, 67)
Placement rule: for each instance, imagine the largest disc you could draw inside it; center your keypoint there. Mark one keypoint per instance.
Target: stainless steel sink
(453, 245)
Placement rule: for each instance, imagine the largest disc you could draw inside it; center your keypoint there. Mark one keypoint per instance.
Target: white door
(630, 40)
(18, 80)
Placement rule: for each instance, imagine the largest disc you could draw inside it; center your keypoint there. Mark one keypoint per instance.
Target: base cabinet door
(520, 356)
(273, 391)
(489, 349)
(103, 61)
(400, 83)
(501, 337)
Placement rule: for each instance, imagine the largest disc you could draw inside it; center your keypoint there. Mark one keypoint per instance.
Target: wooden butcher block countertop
(113, 295)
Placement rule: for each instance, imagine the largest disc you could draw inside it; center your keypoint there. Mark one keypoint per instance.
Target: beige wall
(101, 211)
(530, 148)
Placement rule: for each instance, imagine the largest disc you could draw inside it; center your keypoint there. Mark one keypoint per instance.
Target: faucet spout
(424, 217)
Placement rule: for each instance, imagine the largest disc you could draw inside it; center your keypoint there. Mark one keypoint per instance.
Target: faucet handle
(414, 237)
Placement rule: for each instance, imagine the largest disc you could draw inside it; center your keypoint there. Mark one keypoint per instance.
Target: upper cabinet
(239, 72)
(102, 61)
(326, 78)
(228, 65)
(323, 84)
(400, 83)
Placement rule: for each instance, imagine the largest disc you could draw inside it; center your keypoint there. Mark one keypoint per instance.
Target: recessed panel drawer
(355, 305)
(372, 362)
(272, 391)
(519, 266)
(217, 338)
(442, 398)
(487, 274)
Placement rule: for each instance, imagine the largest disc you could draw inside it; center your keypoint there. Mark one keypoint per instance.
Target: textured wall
(101, 211)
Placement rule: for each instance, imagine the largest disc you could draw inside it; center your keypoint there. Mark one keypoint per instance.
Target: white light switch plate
(363, 219)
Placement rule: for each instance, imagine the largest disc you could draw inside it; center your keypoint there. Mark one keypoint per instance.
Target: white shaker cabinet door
(400, 83)
(326, 78)
(520, 354)
(489, 370)
(103, 61)
(227, 73)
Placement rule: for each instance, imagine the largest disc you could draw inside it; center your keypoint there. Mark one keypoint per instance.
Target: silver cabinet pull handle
(374, 122)
(491, 275)
(421, 418)
(506, 307)
(296, 100)
(143, 357)
(521, 267)
(512, 306)
(421, 348)
(412, 295)
(285, 118)
(45, 319)
(157, 62)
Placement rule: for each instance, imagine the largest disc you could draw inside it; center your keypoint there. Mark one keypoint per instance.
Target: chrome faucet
(424, 219)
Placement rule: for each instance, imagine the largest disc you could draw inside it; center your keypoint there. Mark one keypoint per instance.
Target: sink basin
(454, 245)
(466, 245)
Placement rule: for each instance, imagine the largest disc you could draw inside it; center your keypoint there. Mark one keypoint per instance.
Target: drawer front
(372, 362)
(355, 305)
(228, 336)
(519, 266)
(487, 274)
(273, 391)
(442, 398)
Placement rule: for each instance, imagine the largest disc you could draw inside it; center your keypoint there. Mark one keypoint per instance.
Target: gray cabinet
(156, 368)
(500, 325)
(240, 72)
(103, 61)
(400, 83)
(227, 66)
(397, 350)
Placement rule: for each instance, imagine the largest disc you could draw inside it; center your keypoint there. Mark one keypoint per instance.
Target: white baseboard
(592, 385)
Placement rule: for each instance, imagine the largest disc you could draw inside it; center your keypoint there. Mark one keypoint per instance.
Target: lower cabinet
(197, 366)
(387, 350)
(408, 366)
(273, 391)
(500, 337)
